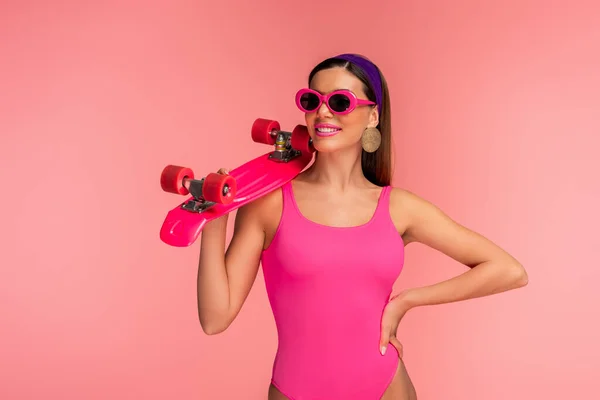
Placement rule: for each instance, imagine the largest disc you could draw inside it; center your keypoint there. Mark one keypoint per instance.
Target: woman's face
(332, 132)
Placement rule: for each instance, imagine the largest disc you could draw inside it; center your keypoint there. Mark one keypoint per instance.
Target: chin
(331, 145)
(325, 147)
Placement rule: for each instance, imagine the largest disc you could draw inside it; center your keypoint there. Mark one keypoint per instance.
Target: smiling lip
(326, 130)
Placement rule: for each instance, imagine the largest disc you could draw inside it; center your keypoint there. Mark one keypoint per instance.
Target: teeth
(327, 130)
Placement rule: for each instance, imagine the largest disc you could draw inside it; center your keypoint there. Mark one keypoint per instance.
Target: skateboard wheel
(261, 131)
(301, 140)
(171, 179)
(219, 188)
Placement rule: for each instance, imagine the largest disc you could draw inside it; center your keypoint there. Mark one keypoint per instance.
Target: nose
(323, 110)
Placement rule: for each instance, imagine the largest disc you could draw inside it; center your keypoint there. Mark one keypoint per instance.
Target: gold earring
(371, 140)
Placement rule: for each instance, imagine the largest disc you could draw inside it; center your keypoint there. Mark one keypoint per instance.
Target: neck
(340, 170)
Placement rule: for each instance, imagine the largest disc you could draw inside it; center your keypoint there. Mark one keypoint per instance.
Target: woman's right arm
(226, 277)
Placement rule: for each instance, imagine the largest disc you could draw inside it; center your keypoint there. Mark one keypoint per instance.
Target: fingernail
(383, 350)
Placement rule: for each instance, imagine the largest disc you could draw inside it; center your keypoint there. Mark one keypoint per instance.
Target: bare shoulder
(417, 212)
(407, 203)
(419, 217)
(403, 204)
(264, 213)
(264, 206)
(426, 223)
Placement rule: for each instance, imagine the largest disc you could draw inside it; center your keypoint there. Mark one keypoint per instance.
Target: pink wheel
(219, 188)
(261, 131)
(301, 140)
(171, 179)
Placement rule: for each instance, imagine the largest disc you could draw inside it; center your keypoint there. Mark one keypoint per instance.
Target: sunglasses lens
(339, 102)
(309, 101)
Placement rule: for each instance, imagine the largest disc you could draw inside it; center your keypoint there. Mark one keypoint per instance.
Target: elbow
(213, 327)
(519, 277)
(212, 330)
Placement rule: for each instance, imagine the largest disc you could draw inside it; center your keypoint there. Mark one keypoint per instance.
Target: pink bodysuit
(327, 287)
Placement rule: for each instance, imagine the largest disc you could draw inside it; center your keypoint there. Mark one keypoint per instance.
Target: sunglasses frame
(354, 101)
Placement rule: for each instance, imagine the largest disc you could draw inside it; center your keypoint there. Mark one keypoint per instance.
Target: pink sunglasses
(339, 102)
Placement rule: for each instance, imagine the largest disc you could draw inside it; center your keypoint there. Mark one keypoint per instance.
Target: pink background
(496, 113)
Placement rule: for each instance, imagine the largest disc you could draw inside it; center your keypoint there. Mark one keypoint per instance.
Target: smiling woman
(342, 100)
(328, 288)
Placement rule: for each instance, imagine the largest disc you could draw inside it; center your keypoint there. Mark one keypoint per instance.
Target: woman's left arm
(491, 269)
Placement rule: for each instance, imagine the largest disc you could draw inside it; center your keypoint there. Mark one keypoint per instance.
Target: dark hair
(376, 166)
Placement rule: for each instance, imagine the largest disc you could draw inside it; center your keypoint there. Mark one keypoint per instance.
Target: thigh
(401, 387)
(275, 394)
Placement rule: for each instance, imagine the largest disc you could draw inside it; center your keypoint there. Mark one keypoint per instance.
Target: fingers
(223, 171)
(385, 337)
(383, 343)
(389, 326)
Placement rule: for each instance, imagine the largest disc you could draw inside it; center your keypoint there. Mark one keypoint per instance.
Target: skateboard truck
(206, 192)
(288, 145)
(197, 203)
(283, 147)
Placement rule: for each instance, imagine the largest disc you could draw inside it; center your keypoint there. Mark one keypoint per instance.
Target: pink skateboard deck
(216, 194)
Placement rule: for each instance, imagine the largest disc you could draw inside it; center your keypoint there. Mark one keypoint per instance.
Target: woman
(332, 244)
